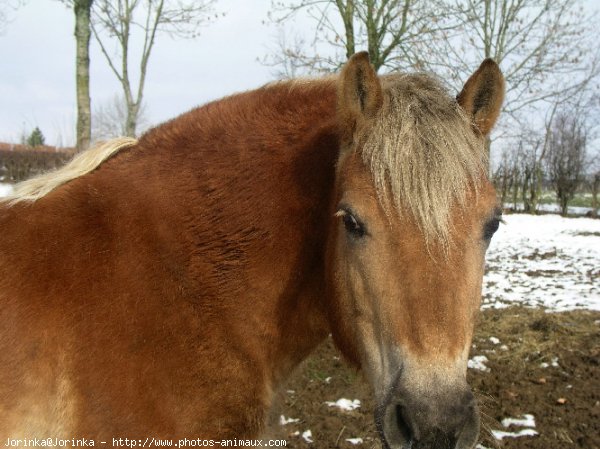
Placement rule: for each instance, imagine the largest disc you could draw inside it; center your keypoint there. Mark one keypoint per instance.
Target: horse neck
(268, 209)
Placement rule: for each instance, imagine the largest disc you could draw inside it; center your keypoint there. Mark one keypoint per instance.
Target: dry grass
(531, 333)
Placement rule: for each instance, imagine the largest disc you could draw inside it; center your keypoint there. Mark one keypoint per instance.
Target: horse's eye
(353, 227)
(491, 227)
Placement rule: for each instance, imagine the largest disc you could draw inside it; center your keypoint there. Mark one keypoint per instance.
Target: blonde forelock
(422, 152)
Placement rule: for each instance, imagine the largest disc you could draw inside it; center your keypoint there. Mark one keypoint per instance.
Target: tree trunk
(536, 189)
(563, 201)
(504, 187)
(564, 208)
(82, 10)
(515, 195)
(348, 18)
(525, 191)
(131, 121)
(595, 188)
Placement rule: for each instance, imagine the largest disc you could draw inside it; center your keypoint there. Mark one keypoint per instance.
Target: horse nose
(431, 423)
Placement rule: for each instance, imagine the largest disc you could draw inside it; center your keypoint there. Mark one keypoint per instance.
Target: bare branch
(7, 8)
(389, 29)
(119, 20)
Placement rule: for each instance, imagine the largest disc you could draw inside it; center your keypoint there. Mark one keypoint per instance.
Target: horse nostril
(395, 426)
(447, 423)
(404, 428)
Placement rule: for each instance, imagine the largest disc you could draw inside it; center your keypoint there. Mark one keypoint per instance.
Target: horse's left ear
(482, 95)
(359, 93)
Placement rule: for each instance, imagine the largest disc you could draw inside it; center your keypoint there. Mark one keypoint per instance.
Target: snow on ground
(494, 340)
(526, 421)
(501, 434)
(544, 261)
(307, 436)
(5, 189)
(345, 404)
(285, 421)
(478, 363)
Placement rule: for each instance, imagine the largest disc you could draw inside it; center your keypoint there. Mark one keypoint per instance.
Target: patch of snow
(544, 261)
(526, 421)
(553, 363)
(5, 189)
(500, 434)
(345, 404)
(478, 363)
(327, 380)
(504, 348)
(283, 420)
(494, 340)
(354, 440)
(307, 436)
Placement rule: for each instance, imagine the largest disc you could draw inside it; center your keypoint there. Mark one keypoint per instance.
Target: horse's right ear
(359, 93)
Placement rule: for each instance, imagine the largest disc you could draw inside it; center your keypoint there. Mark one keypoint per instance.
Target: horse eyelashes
(354, 227)
(490, 228)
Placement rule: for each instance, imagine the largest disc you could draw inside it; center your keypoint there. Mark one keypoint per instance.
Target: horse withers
(166, 287)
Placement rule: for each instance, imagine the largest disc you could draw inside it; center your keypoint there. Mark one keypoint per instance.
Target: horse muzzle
(445, 421)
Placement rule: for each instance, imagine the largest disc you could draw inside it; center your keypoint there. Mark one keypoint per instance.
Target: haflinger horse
(166, 287)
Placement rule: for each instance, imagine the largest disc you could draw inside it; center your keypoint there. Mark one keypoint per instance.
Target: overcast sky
(37, 75)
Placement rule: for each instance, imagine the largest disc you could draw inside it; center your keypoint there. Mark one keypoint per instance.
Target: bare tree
(110, 117)
(503, 176)
(546, 48)
(593, 165)
(532, 146)
(118, 19)
(530, 171)
(595, 188)
(566, 156)
(393, 31)
(82, 9)
(593, 184)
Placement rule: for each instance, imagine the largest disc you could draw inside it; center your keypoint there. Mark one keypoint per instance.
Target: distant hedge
(16, 166)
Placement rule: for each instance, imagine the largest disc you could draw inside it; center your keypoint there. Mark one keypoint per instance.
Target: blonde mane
(422, 152)
(85, 162)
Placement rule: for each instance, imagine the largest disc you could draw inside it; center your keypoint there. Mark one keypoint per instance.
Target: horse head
(413, 214)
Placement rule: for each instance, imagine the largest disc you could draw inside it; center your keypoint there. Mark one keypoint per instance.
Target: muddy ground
(549, 368)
